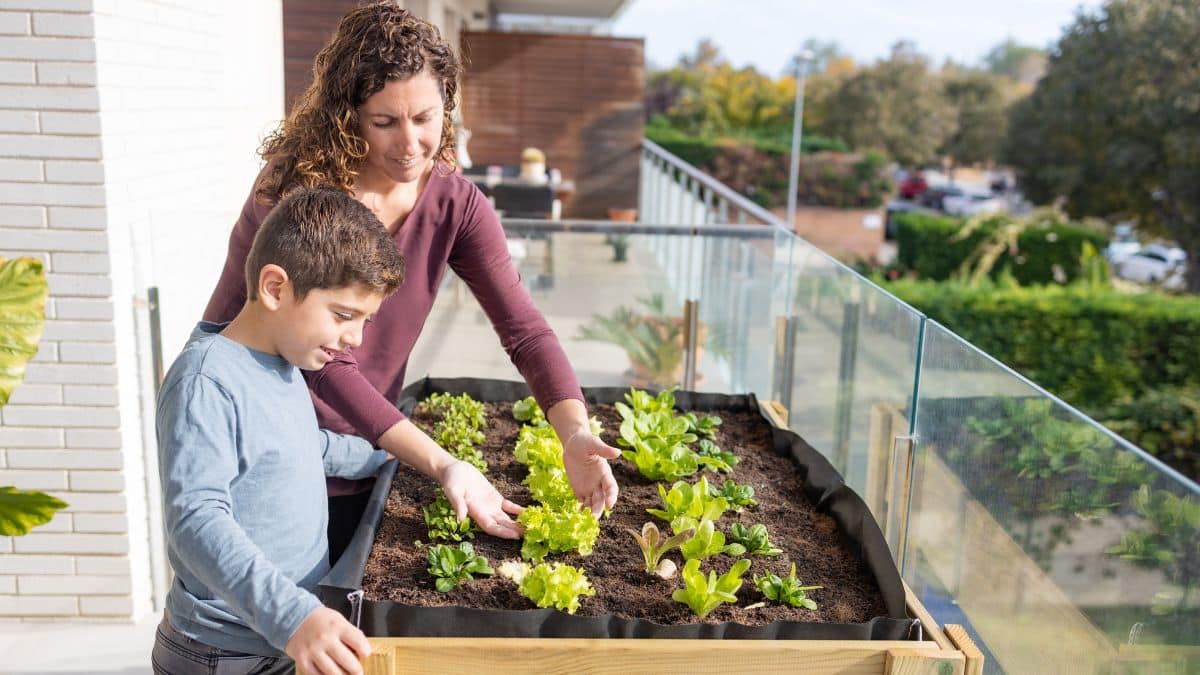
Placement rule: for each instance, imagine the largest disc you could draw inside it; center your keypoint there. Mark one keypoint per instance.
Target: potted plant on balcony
(653, 339)
(22, 316)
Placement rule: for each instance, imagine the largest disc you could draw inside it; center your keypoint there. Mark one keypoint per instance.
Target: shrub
(927, 245)
(1091, 347)
(757, 166)
(1165, 422)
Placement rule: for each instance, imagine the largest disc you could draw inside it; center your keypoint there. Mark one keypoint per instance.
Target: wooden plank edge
(907, 661)
(928, 624)
(775, 412)
(964, 643)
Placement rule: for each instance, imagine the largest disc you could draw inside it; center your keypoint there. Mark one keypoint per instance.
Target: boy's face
(324, 322)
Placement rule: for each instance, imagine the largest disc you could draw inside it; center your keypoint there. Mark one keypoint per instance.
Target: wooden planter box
(935, 651)
(942, 652)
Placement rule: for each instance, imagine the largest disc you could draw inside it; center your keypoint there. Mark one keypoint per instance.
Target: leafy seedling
(691, 502)
(443, 524)
(786, 590)
(738, 496)
(708, 541)
(551, 584)
(453, 566)
(753, 538)
(550, 530)
(704, 594)
(654, 546)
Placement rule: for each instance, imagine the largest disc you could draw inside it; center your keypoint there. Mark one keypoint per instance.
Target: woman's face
(402, 124)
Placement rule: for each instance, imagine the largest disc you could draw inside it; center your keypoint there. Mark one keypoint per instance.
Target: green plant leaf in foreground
(23, 293)
(21, 510)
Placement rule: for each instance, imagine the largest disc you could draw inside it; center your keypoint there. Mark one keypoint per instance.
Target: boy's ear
(271, 282)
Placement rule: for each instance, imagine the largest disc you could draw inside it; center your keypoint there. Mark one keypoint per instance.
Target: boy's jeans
(177, 654)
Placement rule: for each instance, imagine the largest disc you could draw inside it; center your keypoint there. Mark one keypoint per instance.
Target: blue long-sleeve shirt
(243, 466)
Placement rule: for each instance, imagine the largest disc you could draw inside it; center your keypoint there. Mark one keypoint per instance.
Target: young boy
(242, 461)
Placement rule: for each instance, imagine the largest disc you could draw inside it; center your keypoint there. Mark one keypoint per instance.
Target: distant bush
(1165, 422)
(758, 165)
(1091, 347)
(927, 245)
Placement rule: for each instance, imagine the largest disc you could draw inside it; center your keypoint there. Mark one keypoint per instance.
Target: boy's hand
(585, 458)
(470, 493)
(327, 644)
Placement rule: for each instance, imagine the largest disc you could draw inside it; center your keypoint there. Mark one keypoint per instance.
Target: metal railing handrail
(717, 187)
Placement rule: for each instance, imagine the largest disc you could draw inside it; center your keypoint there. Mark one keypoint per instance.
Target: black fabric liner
(822, 484)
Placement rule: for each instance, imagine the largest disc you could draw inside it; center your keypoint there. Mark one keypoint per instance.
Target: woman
(377, 123)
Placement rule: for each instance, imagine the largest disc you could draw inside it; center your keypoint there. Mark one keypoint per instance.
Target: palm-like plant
(652, 338)
(23, 294)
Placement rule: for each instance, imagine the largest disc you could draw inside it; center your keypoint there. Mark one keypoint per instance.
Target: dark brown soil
(396, 569)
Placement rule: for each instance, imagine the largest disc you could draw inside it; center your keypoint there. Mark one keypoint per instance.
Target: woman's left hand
(585, 458)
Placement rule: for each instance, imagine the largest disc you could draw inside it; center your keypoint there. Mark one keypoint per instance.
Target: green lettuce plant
(714, 458)
(786, 590)
(753, 538)
(442, 522)
(549, 584)
(704, 594)
(23, 294)
(694, 502)
(453, 566)
(549, 530)
(528, 411)
(708, 541)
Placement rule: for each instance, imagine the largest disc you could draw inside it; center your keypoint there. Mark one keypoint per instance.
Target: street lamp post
(802, 60)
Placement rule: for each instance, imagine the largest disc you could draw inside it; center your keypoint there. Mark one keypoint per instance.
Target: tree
(1021, 63)
(896, 105)
(1113, 128)
(982, 116)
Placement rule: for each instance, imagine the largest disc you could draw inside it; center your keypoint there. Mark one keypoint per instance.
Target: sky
(765, 33)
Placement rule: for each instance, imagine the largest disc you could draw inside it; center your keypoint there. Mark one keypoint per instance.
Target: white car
(1123, 244)
(972, 204)
(1155, 264)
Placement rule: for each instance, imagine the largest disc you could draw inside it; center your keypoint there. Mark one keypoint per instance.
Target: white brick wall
(128, 131)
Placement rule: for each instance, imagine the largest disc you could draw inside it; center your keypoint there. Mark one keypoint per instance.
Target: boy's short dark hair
(325, 239)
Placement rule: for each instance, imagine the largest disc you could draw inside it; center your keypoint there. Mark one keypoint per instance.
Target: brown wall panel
(579, 98)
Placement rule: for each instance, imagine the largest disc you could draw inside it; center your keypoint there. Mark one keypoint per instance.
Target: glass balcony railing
(1057, 545)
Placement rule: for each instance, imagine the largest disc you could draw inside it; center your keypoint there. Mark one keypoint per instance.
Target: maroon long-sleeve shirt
(452, 224)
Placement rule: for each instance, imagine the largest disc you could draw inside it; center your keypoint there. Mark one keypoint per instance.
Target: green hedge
(1091, 347)
(925, 245)
(1165, 422)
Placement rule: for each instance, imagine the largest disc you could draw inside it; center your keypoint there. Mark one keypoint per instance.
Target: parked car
(972, 203)
(1156, 264)
(913, 185)
(934, 196)
(1122, 245)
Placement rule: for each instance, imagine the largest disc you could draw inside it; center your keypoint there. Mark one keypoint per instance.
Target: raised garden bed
(819, 524)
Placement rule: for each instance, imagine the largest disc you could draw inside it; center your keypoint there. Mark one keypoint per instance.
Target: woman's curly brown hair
(319, 143)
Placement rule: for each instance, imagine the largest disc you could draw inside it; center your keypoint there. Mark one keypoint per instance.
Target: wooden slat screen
(579, 98)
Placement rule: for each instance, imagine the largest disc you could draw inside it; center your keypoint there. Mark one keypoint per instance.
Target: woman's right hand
(470, 493)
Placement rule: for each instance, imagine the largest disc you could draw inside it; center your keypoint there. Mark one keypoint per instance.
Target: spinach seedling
(754, 538)
(786, 590)
(453, 566)
(704, 594)
(738, 496)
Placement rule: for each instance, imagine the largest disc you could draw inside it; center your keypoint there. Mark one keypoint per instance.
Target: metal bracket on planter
(355, 598)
